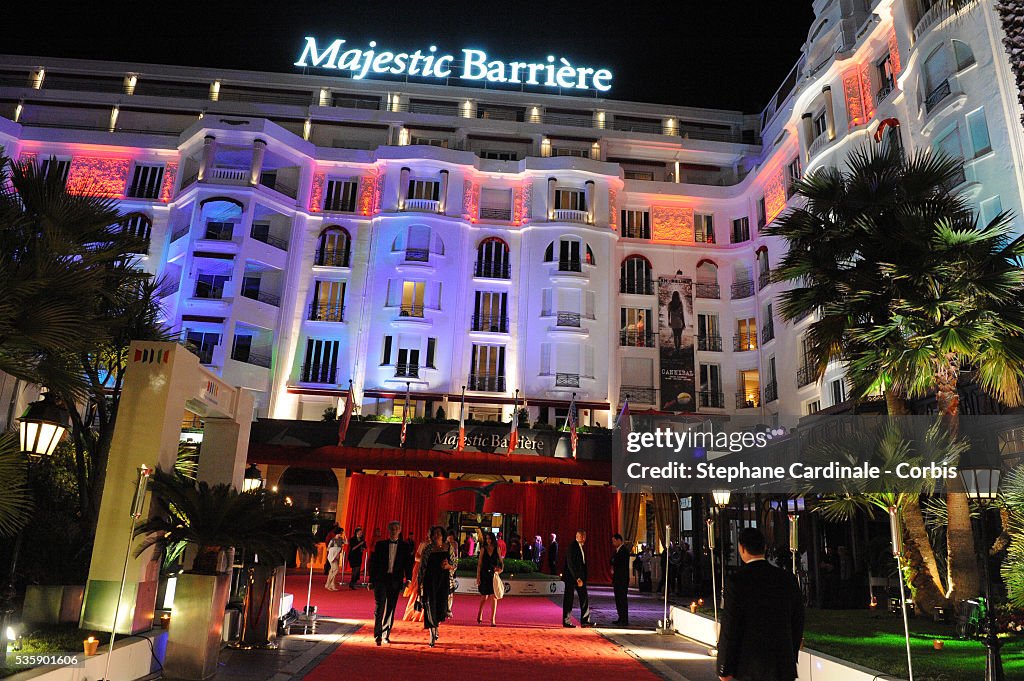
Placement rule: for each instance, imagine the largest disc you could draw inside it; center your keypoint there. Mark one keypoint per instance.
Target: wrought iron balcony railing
(632, 285)
(632, 338)
(570, 319)
(709, 343)
(742, 289)
(326, 312)
(492, 323)
(567, 380)
(331, 257)
(708, 290)
(492, 270)
(486, 383)
(711, 399)
(743, 342)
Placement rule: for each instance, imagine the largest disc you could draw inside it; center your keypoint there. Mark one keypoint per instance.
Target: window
(565, 151)
(492, 259)
(202, 344)
(711, 386)
(749, 393)
(936, 77)
(963, 55)
(398, 408)
(635, 276)
(498, 155)
(495, 204)
(490, 312)
(429, 141)
(820, 125)
(210, 285)
(328, 301)
(385, 357)
(219, 231)
(771, 387)
(636, 224)
(412, 299)
(635, 328)
(793, 174)
(977, 126)
(332, 249)
(762, 214)
(59, 166)
(838, 391)
(568, 255)
(241, 348)
(746, 335)
(990, 208)
(146, 181)
(703, 228)
(740, 230)
(431, 351)
(138, 226)
(763, 269)
(340, 196)
(570, 199)
(708, 333)
(418, 242)
(487, 368)
(425, 190)
(893, 139)
(813, 407)
(639, 175)
(408, 364)
(886, 76)
(321, 365)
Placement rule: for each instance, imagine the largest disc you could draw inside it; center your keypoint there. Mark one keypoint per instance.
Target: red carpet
(528, 641)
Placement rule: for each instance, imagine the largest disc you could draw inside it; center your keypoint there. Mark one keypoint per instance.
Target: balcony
(771, 391)
(178, 233)
(634, 286)
(819, 143)
(708, 290)
(639, 394)
(410, 310)
(268, 298)
(569, 215)
(274, 241)
(636, 339)
(487, 383)
(936, 96)
(500, 214)
(237, 176)
(318, 373)
(938, 13)
(251, 358)
(748, 400)
(742, 289)
(768, 332)
(709, 343)
(763, 279)
(321, 312)
(331, 257)
(208, 293)
(805, 375)
(491, 323)
(958, 178)
(407, 370)
(711, 400)
(219, 231)
(568, 319)
(567, 380)
(492, 270)
(744, 342)
(417, 255)
(421, 205)
(142, 191)
(883, 92)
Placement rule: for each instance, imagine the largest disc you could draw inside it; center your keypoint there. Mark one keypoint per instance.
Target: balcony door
(328, 300)
(487, 368)
(490, 312)
(321, 365)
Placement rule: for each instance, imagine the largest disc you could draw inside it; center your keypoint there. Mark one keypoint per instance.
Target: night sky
(724, 53)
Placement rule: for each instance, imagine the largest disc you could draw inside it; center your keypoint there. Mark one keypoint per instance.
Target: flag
(346, 415)
(461, 445)
(405, 415)
(623, 424)
(513, 436)
(572, 424)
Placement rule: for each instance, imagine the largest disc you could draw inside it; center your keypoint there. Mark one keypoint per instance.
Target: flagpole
(405, 414)
(461, 444)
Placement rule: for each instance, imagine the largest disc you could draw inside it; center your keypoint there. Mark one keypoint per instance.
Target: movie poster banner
(675, 343)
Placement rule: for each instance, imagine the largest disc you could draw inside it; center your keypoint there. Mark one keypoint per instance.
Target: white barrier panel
(133, 659)
(515, 587)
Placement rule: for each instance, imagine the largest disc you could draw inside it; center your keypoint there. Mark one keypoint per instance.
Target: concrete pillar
(259, 149)
(830, 111)
(588, 192)
(161, 379)
(403, 187)
(442, 195)
(209, 153)
(551, 198)
(805, 133)
(226, 444)
(339, 513)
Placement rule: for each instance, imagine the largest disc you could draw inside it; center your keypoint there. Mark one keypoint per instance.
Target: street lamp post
(253, 479)
(722, 498)
(41, 427)
(982, 485)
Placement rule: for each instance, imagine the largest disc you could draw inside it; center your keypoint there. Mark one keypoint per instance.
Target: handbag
(499, 587)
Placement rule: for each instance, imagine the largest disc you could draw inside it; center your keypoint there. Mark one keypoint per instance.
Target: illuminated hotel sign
(474, 66)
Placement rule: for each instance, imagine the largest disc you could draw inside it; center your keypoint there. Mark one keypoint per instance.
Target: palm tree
(15, 496)
(218, 517)
(1013, 566)
(1011, 14)
(908, 290)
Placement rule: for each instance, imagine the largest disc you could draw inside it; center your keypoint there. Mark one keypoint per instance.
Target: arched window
(418, 242)
(743, 282)
(963, 55)
(140, 227)
(332, 250)
(707, 280)
(569, 258)
(635, 276)
(936, 77)
(492, 259)
(764, 272)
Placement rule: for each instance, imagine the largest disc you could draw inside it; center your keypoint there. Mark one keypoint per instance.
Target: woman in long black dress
(489, 564)
(355, 555)
(434, 582)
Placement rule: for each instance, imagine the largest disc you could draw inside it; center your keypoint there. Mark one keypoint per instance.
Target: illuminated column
(209, 153)
(443, 193)
(468, 109)
(341, 475)
(805, 133)
(551, 197)
(830, 111)
(600, 120)
(229, 438)
(403, 188)
(130, 81)
(259, 150)
(588, 191)
(536, 115)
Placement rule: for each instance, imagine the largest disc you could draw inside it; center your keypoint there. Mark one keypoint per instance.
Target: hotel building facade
(314, 230)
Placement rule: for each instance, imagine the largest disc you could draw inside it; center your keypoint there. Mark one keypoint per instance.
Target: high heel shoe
(479, 620)
(433, 637)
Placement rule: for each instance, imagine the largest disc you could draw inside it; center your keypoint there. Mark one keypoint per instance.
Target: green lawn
(875, 640)
(54, 638)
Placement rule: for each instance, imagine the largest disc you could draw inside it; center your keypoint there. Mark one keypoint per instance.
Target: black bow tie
(393, 541)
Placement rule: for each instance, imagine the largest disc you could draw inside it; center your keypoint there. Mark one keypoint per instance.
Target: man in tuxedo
(390, 570)
(553, 555)
(620, 578)
(763, 618)
(575, 578)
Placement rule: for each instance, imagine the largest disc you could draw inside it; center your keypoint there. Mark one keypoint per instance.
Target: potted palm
(208, 522)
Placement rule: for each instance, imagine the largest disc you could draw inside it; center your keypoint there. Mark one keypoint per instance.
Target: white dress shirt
(392, 553)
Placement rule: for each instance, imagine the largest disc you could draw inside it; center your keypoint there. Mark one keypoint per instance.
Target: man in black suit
(763, 618)
(575, 578)
(553, 555)
(620, 578)
(390, 570)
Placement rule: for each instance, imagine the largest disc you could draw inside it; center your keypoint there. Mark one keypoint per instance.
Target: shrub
(512, 566)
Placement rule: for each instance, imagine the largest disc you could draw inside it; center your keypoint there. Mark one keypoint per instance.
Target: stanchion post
(897, 551)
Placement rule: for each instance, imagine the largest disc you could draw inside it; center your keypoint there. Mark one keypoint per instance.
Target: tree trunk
(924, 570)
(895, 404)
(963, 576)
